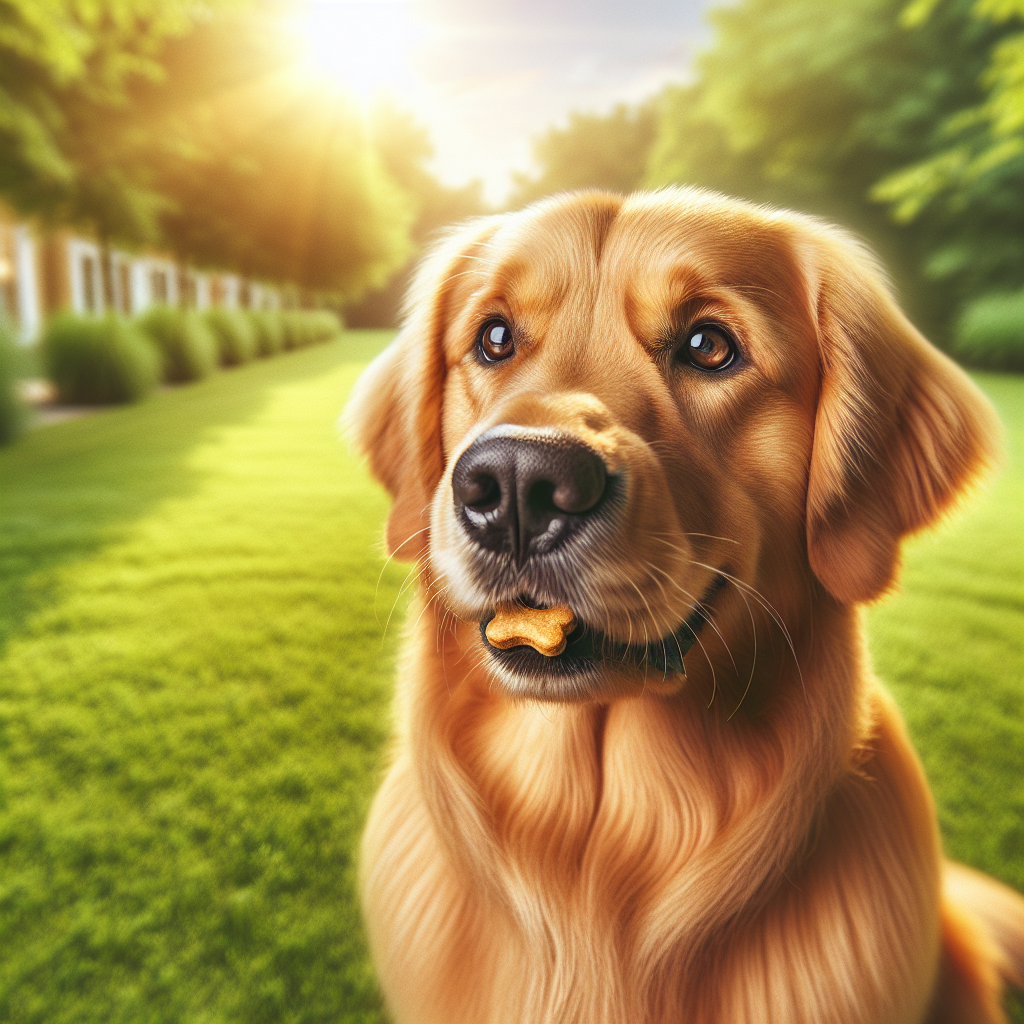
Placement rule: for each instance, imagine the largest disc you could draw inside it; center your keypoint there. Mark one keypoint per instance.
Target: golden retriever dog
(651, 456)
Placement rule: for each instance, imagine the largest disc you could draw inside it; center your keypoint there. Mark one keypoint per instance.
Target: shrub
(294, 324)
(308, 327)
(990, 332)
(185, 342)
(12, 409)
(269, 330)
(236, 339)
(324, 325)
(95, 360)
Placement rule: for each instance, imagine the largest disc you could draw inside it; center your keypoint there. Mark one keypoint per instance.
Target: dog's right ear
(900, 431)
(393, 416)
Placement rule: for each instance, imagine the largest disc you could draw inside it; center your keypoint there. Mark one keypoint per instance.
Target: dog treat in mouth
(544, 629)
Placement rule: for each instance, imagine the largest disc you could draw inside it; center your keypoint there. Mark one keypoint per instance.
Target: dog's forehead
(543, 256)
(650, 253)
(694, 239)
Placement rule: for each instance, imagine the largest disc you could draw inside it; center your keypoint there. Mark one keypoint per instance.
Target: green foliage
(809, 105)
(404, 148)
(269, 329)
(304, 327)
(324, 325)
(194, 692)
(186, 343)
(607, 151)
(184, 123)
(292, 324)
(67, 74)
(990, 332)
(236, 336)
(987, 139)
(265, 173)
(13, 413)
(99, 360)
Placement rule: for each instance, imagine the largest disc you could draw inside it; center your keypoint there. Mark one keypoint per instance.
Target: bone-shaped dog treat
(543, 629)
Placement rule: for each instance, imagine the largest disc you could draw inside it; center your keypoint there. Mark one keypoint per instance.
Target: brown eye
(709, 348)
(495, 341)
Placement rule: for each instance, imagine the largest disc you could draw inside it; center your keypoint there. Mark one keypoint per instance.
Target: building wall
(121, 281)
(231, 291)
(203, 300)
(85, 273)
(41, 274)
(56, 275)
(8, 270)
(20, 277)
(29, 277)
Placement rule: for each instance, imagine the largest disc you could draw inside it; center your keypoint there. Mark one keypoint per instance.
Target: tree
(404, 148)
(977, 141)
(809, 105)
(970, 180)
(66, 72)
(186, 124)
(607, 151)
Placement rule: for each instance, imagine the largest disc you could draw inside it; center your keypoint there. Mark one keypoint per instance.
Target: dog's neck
(643, 798)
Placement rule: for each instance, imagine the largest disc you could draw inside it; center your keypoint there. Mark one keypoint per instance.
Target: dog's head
(627, 407)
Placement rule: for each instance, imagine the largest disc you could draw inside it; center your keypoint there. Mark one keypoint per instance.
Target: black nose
(525, 491)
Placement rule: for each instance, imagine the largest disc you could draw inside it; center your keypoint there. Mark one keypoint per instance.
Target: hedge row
(12, 409)
(96, 360)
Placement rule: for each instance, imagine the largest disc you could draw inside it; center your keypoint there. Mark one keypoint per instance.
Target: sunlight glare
(365, 46)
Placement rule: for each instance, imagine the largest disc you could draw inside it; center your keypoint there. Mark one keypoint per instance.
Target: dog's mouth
(551, 649)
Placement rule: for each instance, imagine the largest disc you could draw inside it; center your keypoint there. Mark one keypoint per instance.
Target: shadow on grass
(67, 490)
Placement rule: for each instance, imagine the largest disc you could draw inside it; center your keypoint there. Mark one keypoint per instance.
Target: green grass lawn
(951, 649)
(194, 695)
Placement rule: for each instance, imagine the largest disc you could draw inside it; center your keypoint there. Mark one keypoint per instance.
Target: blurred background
(209, 211)
(316, 147)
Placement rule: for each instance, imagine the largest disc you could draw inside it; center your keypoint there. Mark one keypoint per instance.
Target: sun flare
(365, 46)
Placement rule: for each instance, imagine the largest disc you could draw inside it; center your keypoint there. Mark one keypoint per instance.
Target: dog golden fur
(735, 427)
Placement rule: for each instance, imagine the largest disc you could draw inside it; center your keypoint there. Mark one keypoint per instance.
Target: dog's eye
(708, 348)
(495, 341)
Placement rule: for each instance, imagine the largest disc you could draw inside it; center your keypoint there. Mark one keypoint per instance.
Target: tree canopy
(404, 148)
(812, 106)
(67, 71)
(606, 151)
(186, 125)
(265, 171)
(901, 121)
(965, 195)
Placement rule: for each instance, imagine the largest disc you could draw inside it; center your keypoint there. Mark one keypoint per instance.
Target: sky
(486, 76)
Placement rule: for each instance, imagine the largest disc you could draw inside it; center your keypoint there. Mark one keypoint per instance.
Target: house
(20, 296)
(42, 273)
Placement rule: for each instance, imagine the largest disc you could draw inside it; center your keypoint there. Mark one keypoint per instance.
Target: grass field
(951, 649)
(194, 696)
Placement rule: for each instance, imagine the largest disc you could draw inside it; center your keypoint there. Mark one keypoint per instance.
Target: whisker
(390, 558)
(675, 547)
(704, 612)
(415, 572)
(753, 663)
(770, 609)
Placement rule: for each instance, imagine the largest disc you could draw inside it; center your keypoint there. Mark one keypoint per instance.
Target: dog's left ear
(900, 431)
(394, 414)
